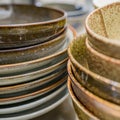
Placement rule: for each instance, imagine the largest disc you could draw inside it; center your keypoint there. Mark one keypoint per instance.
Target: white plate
(39, 110)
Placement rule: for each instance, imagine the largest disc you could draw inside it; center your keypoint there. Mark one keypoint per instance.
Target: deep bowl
(23, 27)
(82, 112)
(102, 64)
(103, 30)
(99, 85)
(101, 108)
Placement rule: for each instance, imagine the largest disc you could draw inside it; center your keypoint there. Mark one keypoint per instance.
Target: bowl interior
(21, 14)
(106, 21)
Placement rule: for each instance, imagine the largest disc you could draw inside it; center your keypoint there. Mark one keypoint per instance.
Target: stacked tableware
(94, 66)
(33, 58)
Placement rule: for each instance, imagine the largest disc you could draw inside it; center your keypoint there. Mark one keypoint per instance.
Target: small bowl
(82, 112)
(105, 35)
(101, 108)
(24, 28)
(10, 56)
(99, 85)
(103, 65)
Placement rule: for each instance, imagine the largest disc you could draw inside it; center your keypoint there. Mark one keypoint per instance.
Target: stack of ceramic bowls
(33, 58)
(94, 66)
(76, 13)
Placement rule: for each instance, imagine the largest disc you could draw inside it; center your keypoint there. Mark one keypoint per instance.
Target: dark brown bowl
(23, 27)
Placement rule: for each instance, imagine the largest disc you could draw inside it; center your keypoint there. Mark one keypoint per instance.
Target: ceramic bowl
(24, 54)
(11, 99)
(23, 27)
(101, 108)
(99, 85)
(6, 70)
(82, 112)
(103, 30)
(101, 64)
(40, 73)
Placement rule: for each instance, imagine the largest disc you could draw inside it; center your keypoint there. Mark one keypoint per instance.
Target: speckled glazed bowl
(101, 108)
(23, 27)
(101, 64)
(82, 112)
(99, 85)
(102, 26)
(16, 55)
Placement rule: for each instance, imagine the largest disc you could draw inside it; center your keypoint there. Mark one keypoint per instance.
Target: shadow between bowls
(99, 85)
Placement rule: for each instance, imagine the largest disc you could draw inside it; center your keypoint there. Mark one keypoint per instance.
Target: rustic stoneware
(101, 108)
(82, 112)
(24, 54)
(30, 94)
(52, 68)
(24, 28)
(103, 30)
(6, 70)
(99, 85)
(103, 65)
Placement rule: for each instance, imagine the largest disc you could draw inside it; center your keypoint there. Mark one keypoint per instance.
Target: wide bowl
(23, 27)
(16, 55)
(99, 85)
(103, 31)
(82, 112)
(101, 108)
(22, 67)
(101, 64)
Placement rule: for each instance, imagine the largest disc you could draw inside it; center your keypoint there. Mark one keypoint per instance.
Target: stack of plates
(33, 58)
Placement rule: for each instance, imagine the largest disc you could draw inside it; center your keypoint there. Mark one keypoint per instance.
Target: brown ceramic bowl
(23, 27)
(103, 65)
(82, 112)
(99, 85)
(16, 55)
(103, 30)
(101, 108)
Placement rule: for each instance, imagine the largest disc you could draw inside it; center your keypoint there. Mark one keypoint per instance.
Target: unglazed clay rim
(74, 34)
(63, 17)
(94, 75)
(77, 102)
(100, 37)
(96, 98)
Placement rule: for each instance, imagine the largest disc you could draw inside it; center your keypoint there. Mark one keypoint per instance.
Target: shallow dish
(24, 54)
(22, 67)
(10, 99)
(39, 26)
(82, 112)
(103, 30)
(99, 85)
(39, 110)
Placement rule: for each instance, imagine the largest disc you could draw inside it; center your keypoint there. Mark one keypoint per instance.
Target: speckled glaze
(6, 70)
(33, 93)
(101, 64)
(40, 25)
(103, 30)
(104, 110)
(82, 112)
(99, 85)
(24, 54)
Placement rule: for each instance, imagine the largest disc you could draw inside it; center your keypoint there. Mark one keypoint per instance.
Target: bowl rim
(77, 102)
(87, 71)
(90, 94)
(63, 17)
(98, 37)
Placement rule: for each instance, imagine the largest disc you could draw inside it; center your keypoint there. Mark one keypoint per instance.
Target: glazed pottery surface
(82, 112)
(103, 30)
(23, 27)
(99, 85)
